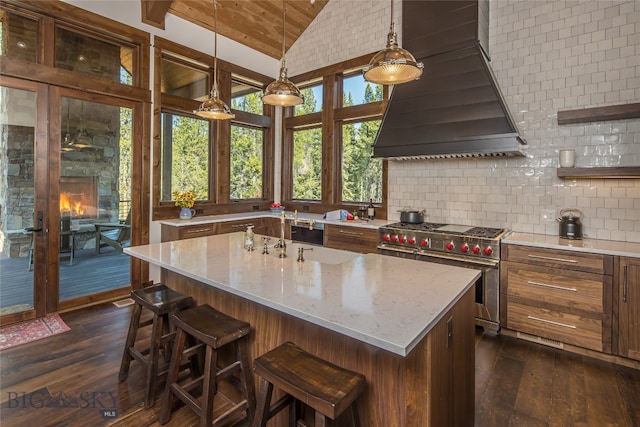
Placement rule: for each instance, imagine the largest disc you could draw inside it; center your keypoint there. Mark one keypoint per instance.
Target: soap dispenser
(248, 238)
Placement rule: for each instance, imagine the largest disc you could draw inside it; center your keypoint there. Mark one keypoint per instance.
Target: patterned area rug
(31, 330)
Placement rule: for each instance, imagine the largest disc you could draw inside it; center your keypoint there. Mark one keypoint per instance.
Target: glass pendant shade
(282, 91)
(214, 108)
(392, 65)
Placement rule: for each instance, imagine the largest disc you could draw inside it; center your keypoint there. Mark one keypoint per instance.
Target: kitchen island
(407, 326)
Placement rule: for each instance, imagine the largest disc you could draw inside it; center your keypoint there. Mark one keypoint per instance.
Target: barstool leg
(264, 402)
(172, 377)
(152, 365)
(130, 342)
(209, 388)
(247, 376)
(321, 420)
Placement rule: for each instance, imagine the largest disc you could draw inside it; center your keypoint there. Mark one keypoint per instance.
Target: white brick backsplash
(547, 55)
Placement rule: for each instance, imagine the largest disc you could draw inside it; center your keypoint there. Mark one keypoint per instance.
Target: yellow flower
(184, 200)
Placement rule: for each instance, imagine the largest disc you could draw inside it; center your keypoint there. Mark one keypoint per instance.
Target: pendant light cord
(284, 19)
(214, 89)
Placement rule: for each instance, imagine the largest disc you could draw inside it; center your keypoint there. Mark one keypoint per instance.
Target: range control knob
(424, 243)
(464, 248)
(449, 246)
(403, 239)
(385, 237)
(394, 238)
(476, 249)
(412, 240)
(488, 250)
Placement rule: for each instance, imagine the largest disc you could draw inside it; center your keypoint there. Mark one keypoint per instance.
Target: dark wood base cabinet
(627, 313)
(432, 386)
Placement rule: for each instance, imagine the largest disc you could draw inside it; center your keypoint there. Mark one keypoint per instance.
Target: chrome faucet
(311, 222)
(281, 245)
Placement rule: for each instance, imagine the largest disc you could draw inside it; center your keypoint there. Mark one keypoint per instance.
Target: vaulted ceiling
(254, 23)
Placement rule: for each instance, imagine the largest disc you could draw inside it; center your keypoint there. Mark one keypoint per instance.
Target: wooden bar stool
(161, 301)
(305, 378)
(212, 330)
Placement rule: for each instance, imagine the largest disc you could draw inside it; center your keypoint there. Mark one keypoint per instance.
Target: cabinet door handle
(549, 258)
(547, 285)
(351, 233)
(625, 284)
(564, 325)
(197, 230)
(241, 225)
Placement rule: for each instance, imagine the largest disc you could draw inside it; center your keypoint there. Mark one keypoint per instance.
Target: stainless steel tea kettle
(570, 225)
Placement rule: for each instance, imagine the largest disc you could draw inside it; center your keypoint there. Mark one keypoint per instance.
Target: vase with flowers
(185, 200)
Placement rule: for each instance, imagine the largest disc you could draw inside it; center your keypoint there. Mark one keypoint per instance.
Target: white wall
(547, 56)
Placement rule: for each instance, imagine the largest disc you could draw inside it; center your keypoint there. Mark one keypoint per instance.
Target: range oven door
(487, 289)
(396, 251)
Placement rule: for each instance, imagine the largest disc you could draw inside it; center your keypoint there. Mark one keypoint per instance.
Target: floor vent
(540, 340)
(123, 302)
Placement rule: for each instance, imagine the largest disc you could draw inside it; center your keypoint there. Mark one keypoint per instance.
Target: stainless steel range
(458, 245)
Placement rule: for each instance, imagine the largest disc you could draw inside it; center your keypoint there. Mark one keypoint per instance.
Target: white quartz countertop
(208, 219)
(388, 302)
(606, 247)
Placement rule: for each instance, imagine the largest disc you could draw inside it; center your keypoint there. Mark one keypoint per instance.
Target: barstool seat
(161, 301)
(211, 330)
(305, 378)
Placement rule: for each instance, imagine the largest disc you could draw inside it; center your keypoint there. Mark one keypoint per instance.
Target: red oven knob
(424, 243)
(385, 237)
(488, 250)
(412, 240)
(403, 239)
(464, 248)
(476, 249)
(449, 246)
(394, 238)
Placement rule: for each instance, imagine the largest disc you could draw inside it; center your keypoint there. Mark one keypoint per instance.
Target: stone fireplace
(79, 197)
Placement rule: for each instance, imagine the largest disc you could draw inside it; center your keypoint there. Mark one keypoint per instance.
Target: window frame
(219, 201)
(331, 119)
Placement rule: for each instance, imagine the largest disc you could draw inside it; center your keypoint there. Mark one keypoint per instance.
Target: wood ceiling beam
(154, 11)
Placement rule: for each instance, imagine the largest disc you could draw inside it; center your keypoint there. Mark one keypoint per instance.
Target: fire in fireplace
(79, 196)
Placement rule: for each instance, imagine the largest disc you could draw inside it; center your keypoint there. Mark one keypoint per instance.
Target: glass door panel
(17, 199)
(95, 197)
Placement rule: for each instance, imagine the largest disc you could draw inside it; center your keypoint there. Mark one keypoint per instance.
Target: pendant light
(392, 65)
(214, 108)
(282, 91)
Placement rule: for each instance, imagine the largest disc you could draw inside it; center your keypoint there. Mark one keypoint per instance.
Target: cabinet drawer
(196, 231)
(356, 239)
(594, 263)
(568, 328)
(566, 288)
(240, 225)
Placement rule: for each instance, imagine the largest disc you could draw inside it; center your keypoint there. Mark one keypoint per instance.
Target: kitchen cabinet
(349, 238)
(170, 233)
(272, 228)
(628, 308)
(240, 225)
(560, 295)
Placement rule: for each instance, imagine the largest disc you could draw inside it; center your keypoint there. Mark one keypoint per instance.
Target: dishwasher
(302, 233)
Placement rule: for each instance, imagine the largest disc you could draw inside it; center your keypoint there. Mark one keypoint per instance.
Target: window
(18, 37)
(246, 97)
(246, 162)
(185, 155)
(307, 164)
(357, 91)
(184, 80)
(99, 58)
(312, 100)
(361, 174)
(330, 164)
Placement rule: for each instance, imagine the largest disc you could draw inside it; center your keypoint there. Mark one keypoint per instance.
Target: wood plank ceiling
(254, 23)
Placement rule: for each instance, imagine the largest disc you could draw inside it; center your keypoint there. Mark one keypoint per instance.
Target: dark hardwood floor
(71, 380)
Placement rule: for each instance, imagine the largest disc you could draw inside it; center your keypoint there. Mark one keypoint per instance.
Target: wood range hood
(455, 109)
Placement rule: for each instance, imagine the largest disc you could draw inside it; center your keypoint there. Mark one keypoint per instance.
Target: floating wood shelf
(599, 114)
(605, 172)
